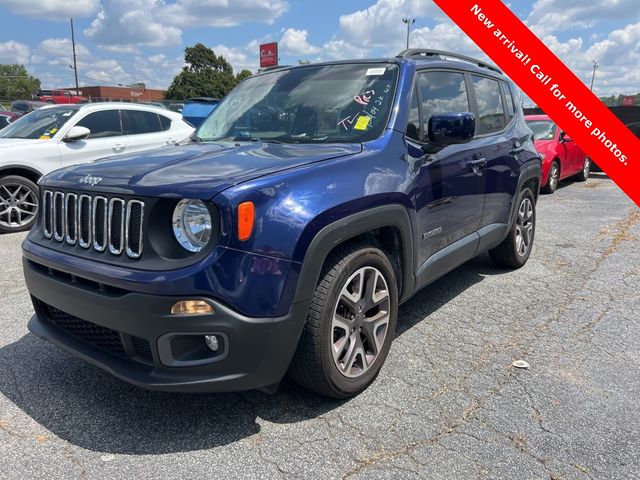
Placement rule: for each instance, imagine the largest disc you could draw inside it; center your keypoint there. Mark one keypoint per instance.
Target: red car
(60, 96)
(7, 117)
(561, 157)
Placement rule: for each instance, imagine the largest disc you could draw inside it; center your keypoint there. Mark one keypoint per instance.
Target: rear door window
(103, 124)
(491, 114)
(140, 122)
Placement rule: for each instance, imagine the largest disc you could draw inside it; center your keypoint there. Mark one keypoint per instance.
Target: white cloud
(340, 49)
(221, 13)
(445, 36)
(14, 52)
(381, 24)
(618, 57)
(119, 23)
(58, 51)
(58, 10)
(120, 49)
(156, 71)
(552, 16)
(238, 57)
(294, 42)
(124, 26)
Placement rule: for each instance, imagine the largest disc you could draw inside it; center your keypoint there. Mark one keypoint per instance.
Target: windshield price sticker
(362, 123)
(376, 71)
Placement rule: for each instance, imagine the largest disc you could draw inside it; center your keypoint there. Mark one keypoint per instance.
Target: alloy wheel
(554, 177)
(360, 322)
(524, 227)
(586, 168)
(18, 205)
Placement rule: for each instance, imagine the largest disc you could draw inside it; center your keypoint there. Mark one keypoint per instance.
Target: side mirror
(565, 138)
(451, 128)
(76, 134)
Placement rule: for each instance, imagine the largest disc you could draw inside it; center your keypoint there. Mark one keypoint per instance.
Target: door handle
(477, 163)
(118, 147)
(171, 141)
(517, 148)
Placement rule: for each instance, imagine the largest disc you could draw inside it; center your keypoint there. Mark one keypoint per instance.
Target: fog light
(212, 342)
(191, 307)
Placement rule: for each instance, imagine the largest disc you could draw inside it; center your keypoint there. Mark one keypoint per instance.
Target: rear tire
(554, 178)
(19, 202)
(350, 325)
(514, 250)
(583, 175)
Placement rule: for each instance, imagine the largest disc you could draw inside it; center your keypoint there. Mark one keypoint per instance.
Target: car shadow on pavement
(89, 408)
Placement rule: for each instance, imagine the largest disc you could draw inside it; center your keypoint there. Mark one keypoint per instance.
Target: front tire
(350, 325)
(514, 250)
(19, 202)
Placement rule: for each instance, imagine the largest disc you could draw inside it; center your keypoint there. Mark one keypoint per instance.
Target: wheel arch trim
(530, 171)
(12, 169)
(340, 231)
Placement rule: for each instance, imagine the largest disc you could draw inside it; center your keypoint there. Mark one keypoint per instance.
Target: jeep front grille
(113, 225)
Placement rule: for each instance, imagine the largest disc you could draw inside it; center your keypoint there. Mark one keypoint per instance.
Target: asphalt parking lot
(448, 404)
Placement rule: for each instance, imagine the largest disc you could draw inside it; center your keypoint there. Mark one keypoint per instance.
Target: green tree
(16, 83)
(205, 75)
(242, 75)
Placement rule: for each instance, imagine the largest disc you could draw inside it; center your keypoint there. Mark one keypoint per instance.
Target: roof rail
(423, 52)
(272, 67)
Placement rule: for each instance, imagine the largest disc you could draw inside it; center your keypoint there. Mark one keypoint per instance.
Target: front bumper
(119, 331)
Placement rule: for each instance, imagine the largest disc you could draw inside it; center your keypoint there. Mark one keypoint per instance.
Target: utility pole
(409, 22)
(75, 65)
(593, 77)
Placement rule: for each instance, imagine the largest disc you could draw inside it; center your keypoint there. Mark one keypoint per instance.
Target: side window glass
(413, 124)
(102, 124)
(511, 107)
(165, 122)
(141, 122)
(490, 109)
(442, 92)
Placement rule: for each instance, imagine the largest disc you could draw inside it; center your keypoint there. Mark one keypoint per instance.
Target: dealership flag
(549, 83)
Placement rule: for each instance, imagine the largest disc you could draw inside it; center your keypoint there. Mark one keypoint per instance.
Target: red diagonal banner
(549, 83)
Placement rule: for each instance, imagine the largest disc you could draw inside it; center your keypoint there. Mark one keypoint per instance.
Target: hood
(194, 170)
(17, 142)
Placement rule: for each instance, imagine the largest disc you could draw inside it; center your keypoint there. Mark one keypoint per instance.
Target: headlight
(192, 225)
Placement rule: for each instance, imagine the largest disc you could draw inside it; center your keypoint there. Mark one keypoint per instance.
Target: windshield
(542, 129)
(39, 124)
(319, 104)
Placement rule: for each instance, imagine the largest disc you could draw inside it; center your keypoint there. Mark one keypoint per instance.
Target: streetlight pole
(593, 77)
(75, 65)
(409, 22)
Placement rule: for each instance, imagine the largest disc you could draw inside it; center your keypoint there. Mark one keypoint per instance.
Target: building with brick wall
(121, 94)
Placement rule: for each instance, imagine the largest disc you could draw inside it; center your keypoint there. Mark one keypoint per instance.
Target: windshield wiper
(267, 140)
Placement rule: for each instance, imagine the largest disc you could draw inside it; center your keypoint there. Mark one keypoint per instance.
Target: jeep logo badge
(92, 181)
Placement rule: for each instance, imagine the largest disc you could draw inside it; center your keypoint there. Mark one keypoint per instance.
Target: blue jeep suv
(310, 204)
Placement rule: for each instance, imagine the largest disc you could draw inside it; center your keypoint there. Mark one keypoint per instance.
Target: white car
(57, 136)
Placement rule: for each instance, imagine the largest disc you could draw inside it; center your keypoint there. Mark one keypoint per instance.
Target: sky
(127, 41)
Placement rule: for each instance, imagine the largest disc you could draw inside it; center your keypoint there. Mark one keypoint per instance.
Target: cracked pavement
(447, 404)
